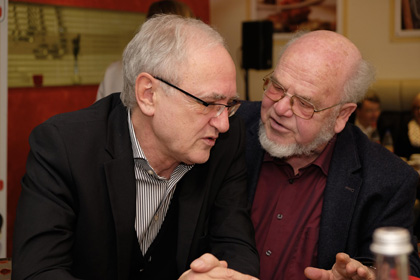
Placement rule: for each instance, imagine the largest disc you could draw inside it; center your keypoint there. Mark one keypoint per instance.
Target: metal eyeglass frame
(270, 78)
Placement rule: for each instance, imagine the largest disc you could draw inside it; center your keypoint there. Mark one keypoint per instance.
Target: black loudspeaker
(257, 44)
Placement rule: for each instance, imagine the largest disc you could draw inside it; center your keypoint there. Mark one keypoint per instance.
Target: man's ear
(145, 93)
(342, 118)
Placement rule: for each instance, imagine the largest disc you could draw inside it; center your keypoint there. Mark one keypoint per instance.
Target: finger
(352, 269)
(223, 264)
(227, 273)
(205, 263)
(365, 273)
(216, 273)
(346, 267)
(358, 271)
(342, 259)
(316, 273)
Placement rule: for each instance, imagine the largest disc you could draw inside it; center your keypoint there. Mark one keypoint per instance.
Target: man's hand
(209, 267)
(343, 269)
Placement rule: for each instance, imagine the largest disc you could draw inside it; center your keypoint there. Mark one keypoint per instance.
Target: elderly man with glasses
(149, 184)
(318, 186)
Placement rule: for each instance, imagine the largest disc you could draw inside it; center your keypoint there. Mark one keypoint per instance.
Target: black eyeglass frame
(315, 110)
(233, 103)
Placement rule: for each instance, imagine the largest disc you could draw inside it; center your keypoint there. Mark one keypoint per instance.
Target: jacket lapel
(343, 186)
(191, 201)
(119, 172)
(254, 158)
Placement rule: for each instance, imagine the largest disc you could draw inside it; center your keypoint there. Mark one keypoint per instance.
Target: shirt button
(268, 253)
(279, 216)
(150, 172)
(156, 217)
(291, 181)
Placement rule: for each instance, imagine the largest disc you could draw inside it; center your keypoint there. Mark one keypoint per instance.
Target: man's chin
(289, 150)
(198, 158)
(275, 149)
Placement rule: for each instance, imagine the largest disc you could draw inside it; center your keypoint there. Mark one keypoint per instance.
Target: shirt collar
(322, 161)
(138, 152)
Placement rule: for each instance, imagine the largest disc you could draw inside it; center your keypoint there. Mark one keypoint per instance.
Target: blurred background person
(113, 78)
(408, 141)
(367, 115)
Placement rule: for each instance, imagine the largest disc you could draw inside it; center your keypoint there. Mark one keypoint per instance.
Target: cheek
(307, 131)
(266, 105)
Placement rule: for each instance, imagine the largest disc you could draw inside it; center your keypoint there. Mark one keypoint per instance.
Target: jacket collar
(340, 195)
(119, 173)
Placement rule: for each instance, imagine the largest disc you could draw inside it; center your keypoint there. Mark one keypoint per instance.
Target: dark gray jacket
(367, 187)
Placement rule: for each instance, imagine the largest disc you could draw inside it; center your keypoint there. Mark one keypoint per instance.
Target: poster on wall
(289, 16)
(406, 18)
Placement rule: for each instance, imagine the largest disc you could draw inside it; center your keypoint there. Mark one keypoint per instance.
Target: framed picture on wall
(289, 16)
(405, 21)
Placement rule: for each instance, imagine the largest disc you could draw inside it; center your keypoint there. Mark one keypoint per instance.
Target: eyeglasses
(300, 107)
(232, 105)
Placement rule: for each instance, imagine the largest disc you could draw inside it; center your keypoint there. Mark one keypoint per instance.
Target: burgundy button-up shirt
(286, 214)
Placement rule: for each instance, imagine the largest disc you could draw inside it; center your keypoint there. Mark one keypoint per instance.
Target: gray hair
(359, 81)
(358, 84)
(162, 47)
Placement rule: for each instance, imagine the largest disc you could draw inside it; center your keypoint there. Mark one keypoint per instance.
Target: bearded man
(318, 186)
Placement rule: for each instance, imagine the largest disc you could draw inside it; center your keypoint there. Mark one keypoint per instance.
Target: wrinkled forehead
(324, 59)
(210, 70)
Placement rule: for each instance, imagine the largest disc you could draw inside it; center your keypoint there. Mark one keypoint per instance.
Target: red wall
(29, 107)
(199, 7)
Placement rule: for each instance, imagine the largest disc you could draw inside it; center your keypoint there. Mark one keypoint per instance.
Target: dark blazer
(75, 216)
(367, 187)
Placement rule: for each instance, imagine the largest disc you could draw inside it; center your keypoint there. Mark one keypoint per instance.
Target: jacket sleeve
(368, 187)
(390, 203)
(399, 212)
(231, 230)
(46, 211)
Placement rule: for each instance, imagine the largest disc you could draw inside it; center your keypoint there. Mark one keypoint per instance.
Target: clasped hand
(209, 267)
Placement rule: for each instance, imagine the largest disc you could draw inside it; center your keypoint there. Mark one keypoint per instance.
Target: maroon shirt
(286, 214)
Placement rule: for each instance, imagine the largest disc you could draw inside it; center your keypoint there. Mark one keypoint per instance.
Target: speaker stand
(246, 85)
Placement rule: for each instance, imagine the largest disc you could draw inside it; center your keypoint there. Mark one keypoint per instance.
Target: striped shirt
(153, 193)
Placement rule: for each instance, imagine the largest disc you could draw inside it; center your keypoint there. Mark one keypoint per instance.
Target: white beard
(296, 149)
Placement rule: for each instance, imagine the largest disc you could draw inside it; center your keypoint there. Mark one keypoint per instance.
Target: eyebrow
(297, 95)
(218, 96)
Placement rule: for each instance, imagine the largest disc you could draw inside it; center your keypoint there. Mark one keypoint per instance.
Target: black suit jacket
(75, 216)
(367, 187)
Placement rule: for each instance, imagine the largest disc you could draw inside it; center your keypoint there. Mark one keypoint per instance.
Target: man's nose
(221, 122)
(283, 107)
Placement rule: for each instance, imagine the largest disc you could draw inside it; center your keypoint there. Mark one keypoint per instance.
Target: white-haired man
(149, 185)
(318, 186)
